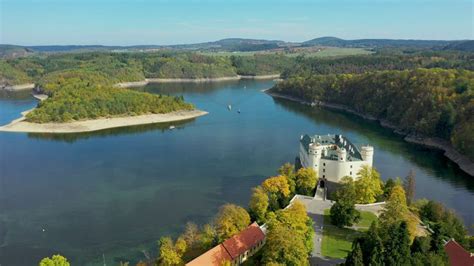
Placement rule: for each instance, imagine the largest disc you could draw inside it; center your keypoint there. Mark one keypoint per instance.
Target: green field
(337, 242)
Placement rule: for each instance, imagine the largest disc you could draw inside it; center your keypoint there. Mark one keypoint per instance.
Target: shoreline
(19, 87)
(19, 125)
(192, 80)
(464, 163)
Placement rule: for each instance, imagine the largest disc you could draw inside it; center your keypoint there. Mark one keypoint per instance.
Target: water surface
(112, 194)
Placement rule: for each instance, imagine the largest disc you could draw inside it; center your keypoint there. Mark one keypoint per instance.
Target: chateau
(333, 156)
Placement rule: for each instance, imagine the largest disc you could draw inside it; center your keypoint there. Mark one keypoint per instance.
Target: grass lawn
(366, 219)
(337, 242)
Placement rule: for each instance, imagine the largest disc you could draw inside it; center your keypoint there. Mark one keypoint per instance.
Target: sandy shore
(19, 125)
(197, 80)
(449, 151)
(20, 87)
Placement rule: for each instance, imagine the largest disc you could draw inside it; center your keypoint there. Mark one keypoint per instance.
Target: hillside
(373, 43)
(13, 51)
(466, 46)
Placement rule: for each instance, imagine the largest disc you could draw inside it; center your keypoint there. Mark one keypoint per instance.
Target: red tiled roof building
(458, 256)
(234, 250)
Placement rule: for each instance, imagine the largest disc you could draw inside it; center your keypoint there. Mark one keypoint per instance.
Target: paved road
(315, 209)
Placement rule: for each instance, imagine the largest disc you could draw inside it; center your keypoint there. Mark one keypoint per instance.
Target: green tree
(368, 185)
(259, 203)
(288, 170)
(409, 186)
(397, 246)
(354, 258)
(230, 220)
(284, 247)
(421, 244)
(387, 188)
(296, 218)
(346, 191)
(168, 253)
(343, 213)
(395, 208)
(55, 260)
(278, 191)
(306, 179)
(208, 237)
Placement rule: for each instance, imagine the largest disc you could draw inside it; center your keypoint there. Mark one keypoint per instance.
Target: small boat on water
(172, 127)
(238, 111)
(229, 107)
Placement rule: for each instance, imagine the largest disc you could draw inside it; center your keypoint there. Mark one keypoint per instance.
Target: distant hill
(467, 46)
(235, 44)
(13, 51)
(242, 44)
(374, 43)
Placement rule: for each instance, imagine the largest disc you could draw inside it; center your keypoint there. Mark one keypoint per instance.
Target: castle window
(324, 170)
(324, 164)
(324, 176)
(351, 165)
(351, 173)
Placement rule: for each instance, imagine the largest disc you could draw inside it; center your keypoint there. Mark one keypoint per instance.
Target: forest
(79, 95)
(428, 102)
(118, 67)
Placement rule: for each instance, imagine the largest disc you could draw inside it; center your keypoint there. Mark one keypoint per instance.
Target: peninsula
(21, 125)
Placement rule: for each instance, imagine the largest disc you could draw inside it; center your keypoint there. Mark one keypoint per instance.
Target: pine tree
(409, 186)
(355, 257)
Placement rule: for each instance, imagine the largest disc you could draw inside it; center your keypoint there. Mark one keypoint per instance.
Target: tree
(230, 220)
(278, 189)
(387, 188)
(343, 213)
(368, 185)
(296, 218)
(55, 260)
(372, 247)
(288, 170)
(208, 237)
(283, 246)
(396, 210)
(397, 246)
(347, 191)
(354, 258)
(306, 179)
(421, 244)
(396, 207)
(168, 253)
(259, 204)
(409, 186)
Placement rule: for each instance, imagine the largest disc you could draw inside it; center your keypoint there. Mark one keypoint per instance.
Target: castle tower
(341, 154)
(315, 150)
(367, 153)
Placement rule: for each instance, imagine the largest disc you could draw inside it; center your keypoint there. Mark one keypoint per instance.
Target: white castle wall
(334, 170)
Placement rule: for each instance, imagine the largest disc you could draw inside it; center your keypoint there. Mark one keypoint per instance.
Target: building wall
(335, 170)
(330, 169)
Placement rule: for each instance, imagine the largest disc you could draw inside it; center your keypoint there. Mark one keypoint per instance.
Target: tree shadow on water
(128, 130)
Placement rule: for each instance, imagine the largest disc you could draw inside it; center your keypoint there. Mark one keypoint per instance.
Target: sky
(127, 22)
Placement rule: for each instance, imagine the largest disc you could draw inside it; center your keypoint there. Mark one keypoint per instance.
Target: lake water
(112, 194)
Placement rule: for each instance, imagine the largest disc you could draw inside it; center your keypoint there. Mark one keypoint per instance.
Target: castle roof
(336, 141)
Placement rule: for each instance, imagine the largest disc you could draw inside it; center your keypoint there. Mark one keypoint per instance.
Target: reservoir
(110, 195)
